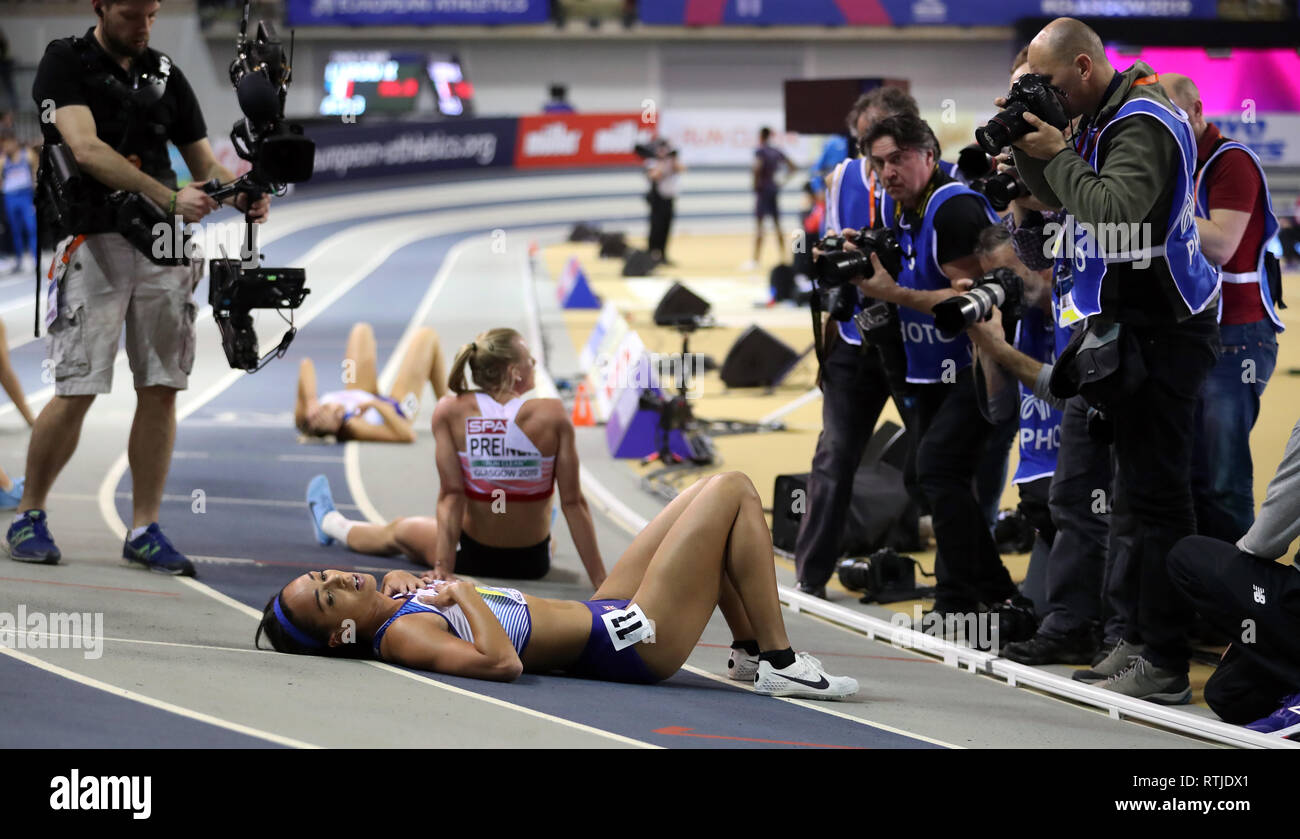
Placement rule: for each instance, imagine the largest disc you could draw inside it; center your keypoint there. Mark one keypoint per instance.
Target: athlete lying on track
(709, 548)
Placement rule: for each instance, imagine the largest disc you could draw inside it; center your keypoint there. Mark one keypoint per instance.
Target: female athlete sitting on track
(709, 547)
(359, 412)
(499, 459)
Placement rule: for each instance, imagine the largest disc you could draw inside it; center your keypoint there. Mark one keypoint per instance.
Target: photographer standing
(855, 380)
(1150, 303)
(116, 105)
(662, 170)
(937, 222)
(1235, 221)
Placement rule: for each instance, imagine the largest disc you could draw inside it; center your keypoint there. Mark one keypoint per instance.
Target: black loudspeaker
(680, 305)
(584, 232)
(881, 513)
(638, 264)
(757, 359)
(887, 445)
(789, 503)
(781, 280)
(613, 245)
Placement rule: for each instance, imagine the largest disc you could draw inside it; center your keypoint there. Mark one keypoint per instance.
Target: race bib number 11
(628, 626)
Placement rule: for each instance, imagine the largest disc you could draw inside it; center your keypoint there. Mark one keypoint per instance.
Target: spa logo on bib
(497, 452)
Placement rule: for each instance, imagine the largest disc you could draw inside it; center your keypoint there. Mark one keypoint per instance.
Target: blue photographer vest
(927, 350)
(1271, 227)
(852, 203)
(1040, 423)
(887, 204)
(1196, 279)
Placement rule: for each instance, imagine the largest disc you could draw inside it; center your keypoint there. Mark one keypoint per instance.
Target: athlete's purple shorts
(600, 660)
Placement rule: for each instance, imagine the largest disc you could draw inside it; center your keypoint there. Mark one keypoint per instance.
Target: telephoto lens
(994, 289)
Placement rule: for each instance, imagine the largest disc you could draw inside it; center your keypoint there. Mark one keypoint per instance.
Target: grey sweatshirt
(1278, 523)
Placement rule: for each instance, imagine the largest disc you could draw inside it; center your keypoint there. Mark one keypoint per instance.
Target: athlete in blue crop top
(710, 547)
(357, 411)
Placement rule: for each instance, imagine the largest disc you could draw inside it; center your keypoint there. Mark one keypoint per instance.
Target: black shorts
(479, 560)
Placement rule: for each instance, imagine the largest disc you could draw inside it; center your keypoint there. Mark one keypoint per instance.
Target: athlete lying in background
(359, 412)
(710, 547)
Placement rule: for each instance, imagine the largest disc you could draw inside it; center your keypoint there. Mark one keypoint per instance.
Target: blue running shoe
(29, 540)
(10, 500)
(1284, 722)
(153, 551)
(320, 503)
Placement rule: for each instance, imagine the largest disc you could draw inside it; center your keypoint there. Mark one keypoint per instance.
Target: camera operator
(937, 222)
(662, 169)
(117, 104)
(855, 379)
(1150, 310)
(1235, 221)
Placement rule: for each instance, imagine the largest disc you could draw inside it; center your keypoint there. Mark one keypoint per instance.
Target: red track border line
(87, 585)
(683, 731)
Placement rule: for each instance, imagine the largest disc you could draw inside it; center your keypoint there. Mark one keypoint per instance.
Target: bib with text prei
(498, 451)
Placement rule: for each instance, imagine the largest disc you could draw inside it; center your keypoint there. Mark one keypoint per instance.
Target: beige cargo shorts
(106, 283)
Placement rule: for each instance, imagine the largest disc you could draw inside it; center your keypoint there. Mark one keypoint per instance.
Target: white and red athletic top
(498, 455)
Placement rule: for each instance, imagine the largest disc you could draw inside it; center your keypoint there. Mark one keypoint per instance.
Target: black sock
(750, 647)
(780, 659)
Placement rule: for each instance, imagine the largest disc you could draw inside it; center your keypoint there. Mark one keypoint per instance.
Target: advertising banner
(564, 140)
(415, 12)
(389, 148)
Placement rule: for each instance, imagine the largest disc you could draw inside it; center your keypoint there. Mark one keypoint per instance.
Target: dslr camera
(1031, 93)
(1001, 288)
(837, 266)
(279, 155)
(979, 171)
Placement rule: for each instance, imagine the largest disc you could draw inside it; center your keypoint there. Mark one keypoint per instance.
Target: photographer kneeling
(116, 105)
(1025, 355)
(936, 222)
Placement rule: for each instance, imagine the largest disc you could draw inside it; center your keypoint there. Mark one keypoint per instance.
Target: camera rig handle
(250, 254)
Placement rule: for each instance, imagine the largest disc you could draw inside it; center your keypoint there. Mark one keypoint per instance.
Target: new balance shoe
(1114, 661)
(29, 539)
(319, 504)
(1284, 722)
(153, 551)
(804, 678)
(9, 499)
(742, 666)
(1143, 680)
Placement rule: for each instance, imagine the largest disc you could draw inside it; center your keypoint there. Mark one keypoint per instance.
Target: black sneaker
(815, 591)
(1074, 648)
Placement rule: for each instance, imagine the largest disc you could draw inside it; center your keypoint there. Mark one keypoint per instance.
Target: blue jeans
(1222, 472)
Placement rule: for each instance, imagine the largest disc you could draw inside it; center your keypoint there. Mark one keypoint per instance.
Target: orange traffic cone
(582, 408)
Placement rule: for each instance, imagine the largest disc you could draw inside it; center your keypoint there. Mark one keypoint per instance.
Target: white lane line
(82, 638)
(821, 707)
(420, 677)
(189, 713)
(791, 407)
(351, 454)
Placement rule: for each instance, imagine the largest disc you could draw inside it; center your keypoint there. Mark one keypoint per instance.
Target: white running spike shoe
(742, 666)
(805, 678)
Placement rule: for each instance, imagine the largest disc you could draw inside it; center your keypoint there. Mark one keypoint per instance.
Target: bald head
(1065, 38)
(1184, 93)
(1069, 53)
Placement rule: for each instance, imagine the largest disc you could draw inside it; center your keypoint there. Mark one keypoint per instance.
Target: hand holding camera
(193, 204)
(1032, 108)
